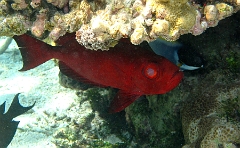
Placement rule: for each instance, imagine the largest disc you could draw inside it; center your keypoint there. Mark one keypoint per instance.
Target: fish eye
(151, 71)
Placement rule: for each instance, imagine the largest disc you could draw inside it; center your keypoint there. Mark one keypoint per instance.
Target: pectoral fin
(66, 70)
(122, 100)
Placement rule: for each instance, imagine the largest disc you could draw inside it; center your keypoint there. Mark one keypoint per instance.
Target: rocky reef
(99, 24)
(211, 116)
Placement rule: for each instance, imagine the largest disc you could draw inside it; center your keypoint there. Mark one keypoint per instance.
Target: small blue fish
(177, 54)
(8, 126)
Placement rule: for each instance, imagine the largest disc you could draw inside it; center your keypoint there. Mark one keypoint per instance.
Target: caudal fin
(8, 126)
(34, 52)
(16, 108)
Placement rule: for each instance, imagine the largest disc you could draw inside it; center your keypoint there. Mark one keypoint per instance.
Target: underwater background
(203, 111)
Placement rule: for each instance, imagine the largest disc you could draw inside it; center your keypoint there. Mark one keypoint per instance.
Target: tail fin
(8, 126)
(16, 108)
(34, 52)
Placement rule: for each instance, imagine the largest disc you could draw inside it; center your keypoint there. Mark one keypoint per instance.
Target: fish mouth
(175, 79)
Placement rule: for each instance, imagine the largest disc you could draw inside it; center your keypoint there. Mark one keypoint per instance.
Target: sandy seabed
(38, 85)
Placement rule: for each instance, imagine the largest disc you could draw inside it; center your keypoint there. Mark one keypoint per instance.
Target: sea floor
(38, 85)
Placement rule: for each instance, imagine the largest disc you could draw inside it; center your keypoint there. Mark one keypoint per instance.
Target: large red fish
(131, 69)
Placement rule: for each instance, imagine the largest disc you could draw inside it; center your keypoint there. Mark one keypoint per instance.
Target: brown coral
(19, 5)
(203, 123)
(58, 3)
(38, 27)
(35, 3)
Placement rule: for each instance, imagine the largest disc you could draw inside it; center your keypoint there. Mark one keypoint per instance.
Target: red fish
(129, 68)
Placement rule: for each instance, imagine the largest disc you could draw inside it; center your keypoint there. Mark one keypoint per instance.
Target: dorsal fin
(66, 70)
(122, 100)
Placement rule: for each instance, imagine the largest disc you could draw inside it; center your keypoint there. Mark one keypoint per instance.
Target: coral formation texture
(207, 102)
(99, 24)
(209, 120)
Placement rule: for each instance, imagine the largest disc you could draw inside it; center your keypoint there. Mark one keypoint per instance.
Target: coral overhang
(99, 24)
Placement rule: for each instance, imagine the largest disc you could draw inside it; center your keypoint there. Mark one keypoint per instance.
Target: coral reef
(156, 120)
(210, 95)
(100, 24)
(211, 116)
(93, 128)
